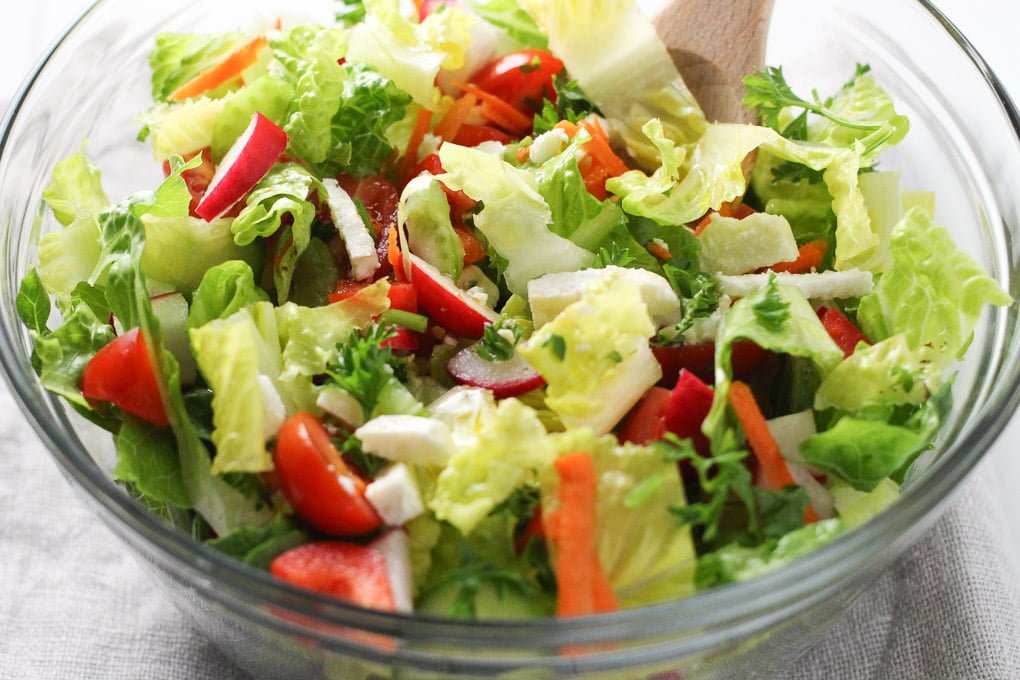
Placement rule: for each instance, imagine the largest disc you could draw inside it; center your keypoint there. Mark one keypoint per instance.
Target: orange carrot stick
(600, 150)
(421, 128)
(454, 119)
(809, 257)
(229, 68)
(774, 471)
(498, 111)
(583, 586)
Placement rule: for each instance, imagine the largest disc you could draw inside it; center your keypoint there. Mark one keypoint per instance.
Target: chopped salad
(473, 313)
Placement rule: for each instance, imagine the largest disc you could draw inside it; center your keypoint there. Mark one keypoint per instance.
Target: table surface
(29, 28)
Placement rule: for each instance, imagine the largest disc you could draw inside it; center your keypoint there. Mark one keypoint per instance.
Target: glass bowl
(963, 145)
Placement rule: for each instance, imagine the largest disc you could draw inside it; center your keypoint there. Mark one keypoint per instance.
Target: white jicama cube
(815, 286)
(550, 294)
(407, 439)
(731, 246)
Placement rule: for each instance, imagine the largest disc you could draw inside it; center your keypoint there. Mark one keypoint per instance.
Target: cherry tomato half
(522, 79)
(316, 481)
(122, 374)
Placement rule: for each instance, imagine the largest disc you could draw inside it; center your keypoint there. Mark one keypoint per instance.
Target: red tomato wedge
(522, 79)
(345, 571)
(122, 373)
(316, 481)
(473, 135)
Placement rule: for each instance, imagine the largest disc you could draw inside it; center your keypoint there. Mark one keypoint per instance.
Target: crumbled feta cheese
(394, 495)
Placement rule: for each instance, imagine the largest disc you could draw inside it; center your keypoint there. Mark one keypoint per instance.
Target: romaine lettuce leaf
(515, 217)
(271, 96)
(860, 101)
(595, 356)
(75, 193)
(735, 562)
(310, 63)
(887, 373)
(613, 51)
(857, 507)
(147, 459)
(933, 294)
(408, 53)
(496, 449)
(424, 218)
(225, 289)
(257, 547)
(861, 452)
(182, 129)
(509, 16)
(646, 554)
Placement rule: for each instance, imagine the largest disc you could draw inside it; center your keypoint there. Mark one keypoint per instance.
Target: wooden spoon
(714, 44)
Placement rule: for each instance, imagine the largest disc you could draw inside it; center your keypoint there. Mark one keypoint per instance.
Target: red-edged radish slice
(395, 545)
(504, 379)
(446, 304)
(249, 159)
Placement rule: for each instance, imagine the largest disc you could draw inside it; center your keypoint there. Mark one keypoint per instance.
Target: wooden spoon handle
(714, 44)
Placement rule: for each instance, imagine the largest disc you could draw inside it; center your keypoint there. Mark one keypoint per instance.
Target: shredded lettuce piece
(271, 96)
(514, 218)
(424, 216)
(408, 53)
(179, 57)
(182, 129)
(933, 294)
(225, 289)
(614, 53)
(508, 15)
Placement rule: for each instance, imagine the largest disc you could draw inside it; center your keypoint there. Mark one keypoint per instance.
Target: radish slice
(395, 546)
(249, 159)
(446, 304)
(504, 379)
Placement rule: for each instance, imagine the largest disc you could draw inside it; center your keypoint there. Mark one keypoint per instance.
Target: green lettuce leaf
(147, 458)
(515, 217)
(614, 53)
(284, 191)
(225, 289)
(310, 60)
(595, 356)
(424, 216)
(408, 53)
(257, 547)
(509, 16)
(738, 563)
(185, 128)
(369, 105)
(227, 353)
(497, 448)
(933, 294)
(179, 57)
(861, 452)
(860, 101)
(857, 507)
(646, 555)
(75, 193)
(315, 275)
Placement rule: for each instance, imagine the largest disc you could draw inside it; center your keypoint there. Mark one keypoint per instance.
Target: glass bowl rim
(703, 612)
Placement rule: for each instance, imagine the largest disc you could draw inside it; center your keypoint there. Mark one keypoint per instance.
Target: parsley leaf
(557, 345)
(614, 255)
(367, 464)
(772, 311)
(364, 367)
(768, 93)
(350, 12)
(495, 346)
(572, 104)
(699, 298)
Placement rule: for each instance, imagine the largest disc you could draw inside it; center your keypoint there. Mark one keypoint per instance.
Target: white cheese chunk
(407, 439)
(547, 145)
(551, 294)
(341, 404)
(394, 495)
(815, 286)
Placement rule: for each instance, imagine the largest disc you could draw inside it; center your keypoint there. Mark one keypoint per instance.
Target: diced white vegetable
(459, 409)
(731, 246)
(789, 431)
(429, 145)
(547, 145)
(407, 439)
(551, 294)
(273, 410)
(394, 495)
(357, 240)
(341, 404)
(819, 498)
(395, 546)
(815, 286)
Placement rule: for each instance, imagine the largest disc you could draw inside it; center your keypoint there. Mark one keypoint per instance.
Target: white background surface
(29, 28)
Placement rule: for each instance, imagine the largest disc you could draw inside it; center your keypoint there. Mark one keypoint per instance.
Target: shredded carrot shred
(421, 128)
(809, 257)
(498, 111)
(454, 119)
(658, 251)
(773, 467)
(228, 69)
